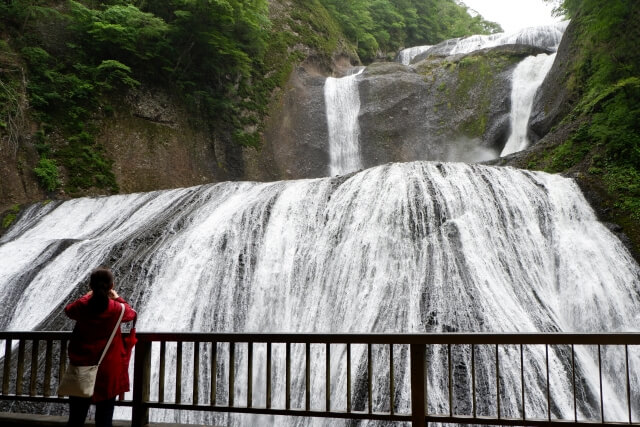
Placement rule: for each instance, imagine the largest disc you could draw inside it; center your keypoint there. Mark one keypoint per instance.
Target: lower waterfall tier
(415, 247)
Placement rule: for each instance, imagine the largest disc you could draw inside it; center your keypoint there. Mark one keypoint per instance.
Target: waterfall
(406, 55)
(527, 78)
(342, 102)
(546, 36)
(415, 247)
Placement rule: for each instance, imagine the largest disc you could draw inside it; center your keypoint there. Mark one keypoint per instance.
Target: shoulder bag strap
(112, 334)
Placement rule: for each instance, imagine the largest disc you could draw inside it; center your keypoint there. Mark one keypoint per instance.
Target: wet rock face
(452, 108)
(296, 135)
(553, 100)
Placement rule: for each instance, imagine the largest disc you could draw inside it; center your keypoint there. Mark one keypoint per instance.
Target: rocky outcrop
(296, 132)
(553, 100)
(453, 108)
(154, 144)
(18, 183)
(444, 108)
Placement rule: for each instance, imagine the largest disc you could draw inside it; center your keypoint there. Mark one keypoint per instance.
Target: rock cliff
(441, 108)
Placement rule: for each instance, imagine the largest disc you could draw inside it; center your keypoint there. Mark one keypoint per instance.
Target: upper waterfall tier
(546, 37)
(406, 55)
(342, 101)
(527, 78)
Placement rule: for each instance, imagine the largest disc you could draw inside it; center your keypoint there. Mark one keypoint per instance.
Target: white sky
(513, 15)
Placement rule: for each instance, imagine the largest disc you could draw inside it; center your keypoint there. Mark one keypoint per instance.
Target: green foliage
(209, 51)
(387, 25)
(624, 181)
(12, 102)
(121, 32)
(567, 155)
(47, 173)
(85, 164)
(604, 81)
(10, 216)
(247, 139)
(617, 126)
(110, 72)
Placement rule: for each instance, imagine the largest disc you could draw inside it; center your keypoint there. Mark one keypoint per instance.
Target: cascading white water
(527, 78)
(416, 247)
(547, 36)
(406, 55)
(342, 101)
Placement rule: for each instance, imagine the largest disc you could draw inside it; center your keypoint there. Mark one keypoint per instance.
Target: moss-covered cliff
(589, 110)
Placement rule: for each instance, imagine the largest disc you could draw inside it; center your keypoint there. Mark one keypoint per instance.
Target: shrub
(47, 173)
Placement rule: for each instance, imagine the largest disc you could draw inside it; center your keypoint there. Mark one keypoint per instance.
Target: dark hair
(100, 282)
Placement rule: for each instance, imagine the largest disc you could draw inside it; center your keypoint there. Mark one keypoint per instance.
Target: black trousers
(79, 407)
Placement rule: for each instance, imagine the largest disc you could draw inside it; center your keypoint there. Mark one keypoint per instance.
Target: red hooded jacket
(89, 338)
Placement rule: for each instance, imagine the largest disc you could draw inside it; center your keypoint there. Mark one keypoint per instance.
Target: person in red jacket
(96, 314)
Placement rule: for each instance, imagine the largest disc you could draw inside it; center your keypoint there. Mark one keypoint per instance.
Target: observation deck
(525, 379)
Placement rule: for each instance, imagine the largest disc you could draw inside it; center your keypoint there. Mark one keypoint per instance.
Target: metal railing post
(417, 385)
(141, 382)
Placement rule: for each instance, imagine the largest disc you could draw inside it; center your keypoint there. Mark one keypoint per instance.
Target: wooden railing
(32, 365)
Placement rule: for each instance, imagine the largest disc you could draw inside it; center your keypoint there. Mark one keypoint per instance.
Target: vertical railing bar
(62, 366)
(196, 372)
(288, 376)
(48, 363)
(473, 380)
(214, 373)
(391, 381)
(327, 378)
(20, 373)
(524, 415)
(417, 354)
(425, 368)
(250, 375)
(268, 397)
(369, 378)
(33, 381)
(7, 366)
(600, 376)
(141, 383)
(161, 371)
(573, 370)
(232, 367)
(179, 372)
(450, 366)
(307, 382)
(626, 357)
(498, 380)
(348, 377)
(546, 350)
